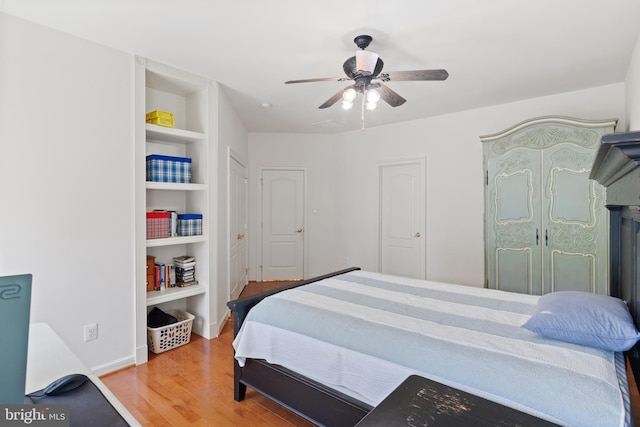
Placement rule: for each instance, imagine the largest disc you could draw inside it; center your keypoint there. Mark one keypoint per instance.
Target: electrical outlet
(91, 332)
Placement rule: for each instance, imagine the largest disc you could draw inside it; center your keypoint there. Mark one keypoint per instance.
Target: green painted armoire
(546, 225)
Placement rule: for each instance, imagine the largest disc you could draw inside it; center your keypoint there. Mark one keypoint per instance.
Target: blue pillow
(582, 318)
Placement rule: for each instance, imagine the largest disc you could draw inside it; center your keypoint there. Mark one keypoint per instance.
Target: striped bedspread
(363, 333)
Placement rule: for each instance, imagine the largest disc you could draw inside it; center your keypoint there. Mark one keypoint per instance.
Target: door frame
(305, 236)
(231, 154)
(422, 162)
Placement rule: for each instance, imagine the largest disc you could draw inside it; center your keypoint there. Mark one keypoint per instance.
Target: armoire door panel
(512, 201)
(513, 197)
(514, 270)
(571, 272)
(569, 192)
(571, 197)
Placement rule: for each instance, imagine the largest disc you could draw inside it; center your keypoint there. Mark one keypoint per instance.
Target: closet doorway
(282, 202)
(238, 226)
(402, 218)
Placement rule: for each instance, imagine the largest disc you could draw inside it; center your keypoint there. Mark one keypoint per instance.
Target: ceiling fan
(365, 69)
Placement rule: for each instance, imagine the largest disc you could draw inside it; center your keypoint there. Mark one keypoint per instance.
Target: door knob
(299, 230)
(417, 234)
(240, 236)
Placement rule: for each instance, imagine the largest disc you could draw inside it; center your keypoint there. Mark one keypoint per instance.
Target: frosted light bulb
(371, 105)
(373, 96)
(349, 94)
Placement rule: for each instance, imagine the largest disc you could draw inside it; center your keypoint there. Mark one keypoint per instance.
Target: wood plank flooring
(192, 385)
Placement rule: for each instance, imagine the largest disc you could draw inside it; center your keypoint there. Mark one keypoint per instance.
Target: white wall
(232, 135)
(316, 154)
(66, 174)
(632, 84)
(67, 185)
(343, 180)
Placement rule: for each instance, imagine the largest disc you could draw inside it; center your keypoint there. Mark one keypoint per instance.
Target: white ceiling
(496, 51)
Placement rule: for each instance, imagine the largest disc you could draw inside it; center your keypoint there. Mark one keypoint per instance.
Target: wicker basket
(171, 336)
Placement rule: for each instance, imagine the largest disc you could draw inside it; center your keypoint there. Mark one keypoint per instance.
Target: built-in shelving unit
(188, 97)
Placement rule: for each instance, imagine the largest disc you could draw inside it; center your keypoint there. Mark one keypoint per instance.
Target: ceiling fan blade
(417, 75)
(389, 96)
(335, 98)
(325, 79)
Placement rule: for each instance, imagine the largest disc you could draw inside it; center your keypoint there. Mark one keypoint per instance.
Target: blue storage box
(189, 224)
(168, 169)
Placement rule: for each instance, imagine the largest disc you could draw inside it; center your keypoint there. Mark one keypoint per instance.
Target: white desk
(49, 358)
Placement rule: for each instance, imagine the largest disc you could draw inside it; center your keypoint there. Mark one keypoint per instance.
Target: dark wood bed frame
(309, 399)
(617, 167)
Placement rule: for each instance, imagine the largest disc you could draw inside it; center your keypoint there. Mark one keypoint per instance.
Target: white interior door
(402, 219)
(238, 249)
(282, 209)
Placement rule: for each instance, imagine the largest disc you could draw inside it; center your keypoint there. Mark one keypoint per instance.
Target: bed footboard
(240, 307)
(307, 398)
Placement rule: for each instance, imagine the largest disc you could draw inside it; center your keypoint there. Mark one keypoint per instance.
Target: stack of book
(185, 270)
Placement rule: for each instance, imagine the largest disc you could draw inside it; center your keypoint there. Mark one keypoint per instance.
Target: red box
(157, 225)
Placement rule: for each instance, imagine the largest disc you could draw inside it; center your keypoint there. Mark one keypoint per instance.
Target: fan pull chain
(364, 96)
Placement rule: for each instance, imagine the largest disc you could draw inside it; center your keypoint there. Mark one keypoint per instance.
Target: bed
(453, 340)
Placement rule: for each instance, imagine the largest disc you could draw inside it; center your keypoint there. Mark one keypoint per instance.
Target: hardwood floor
(192, 385)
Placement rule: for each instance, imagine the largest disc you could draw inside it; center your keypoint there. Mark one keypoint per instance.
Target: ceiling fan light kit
(365, 70)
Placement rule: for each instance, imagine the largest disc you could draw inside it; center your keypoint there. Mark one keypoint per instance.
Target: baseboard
(111, 367)
(225, 317)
